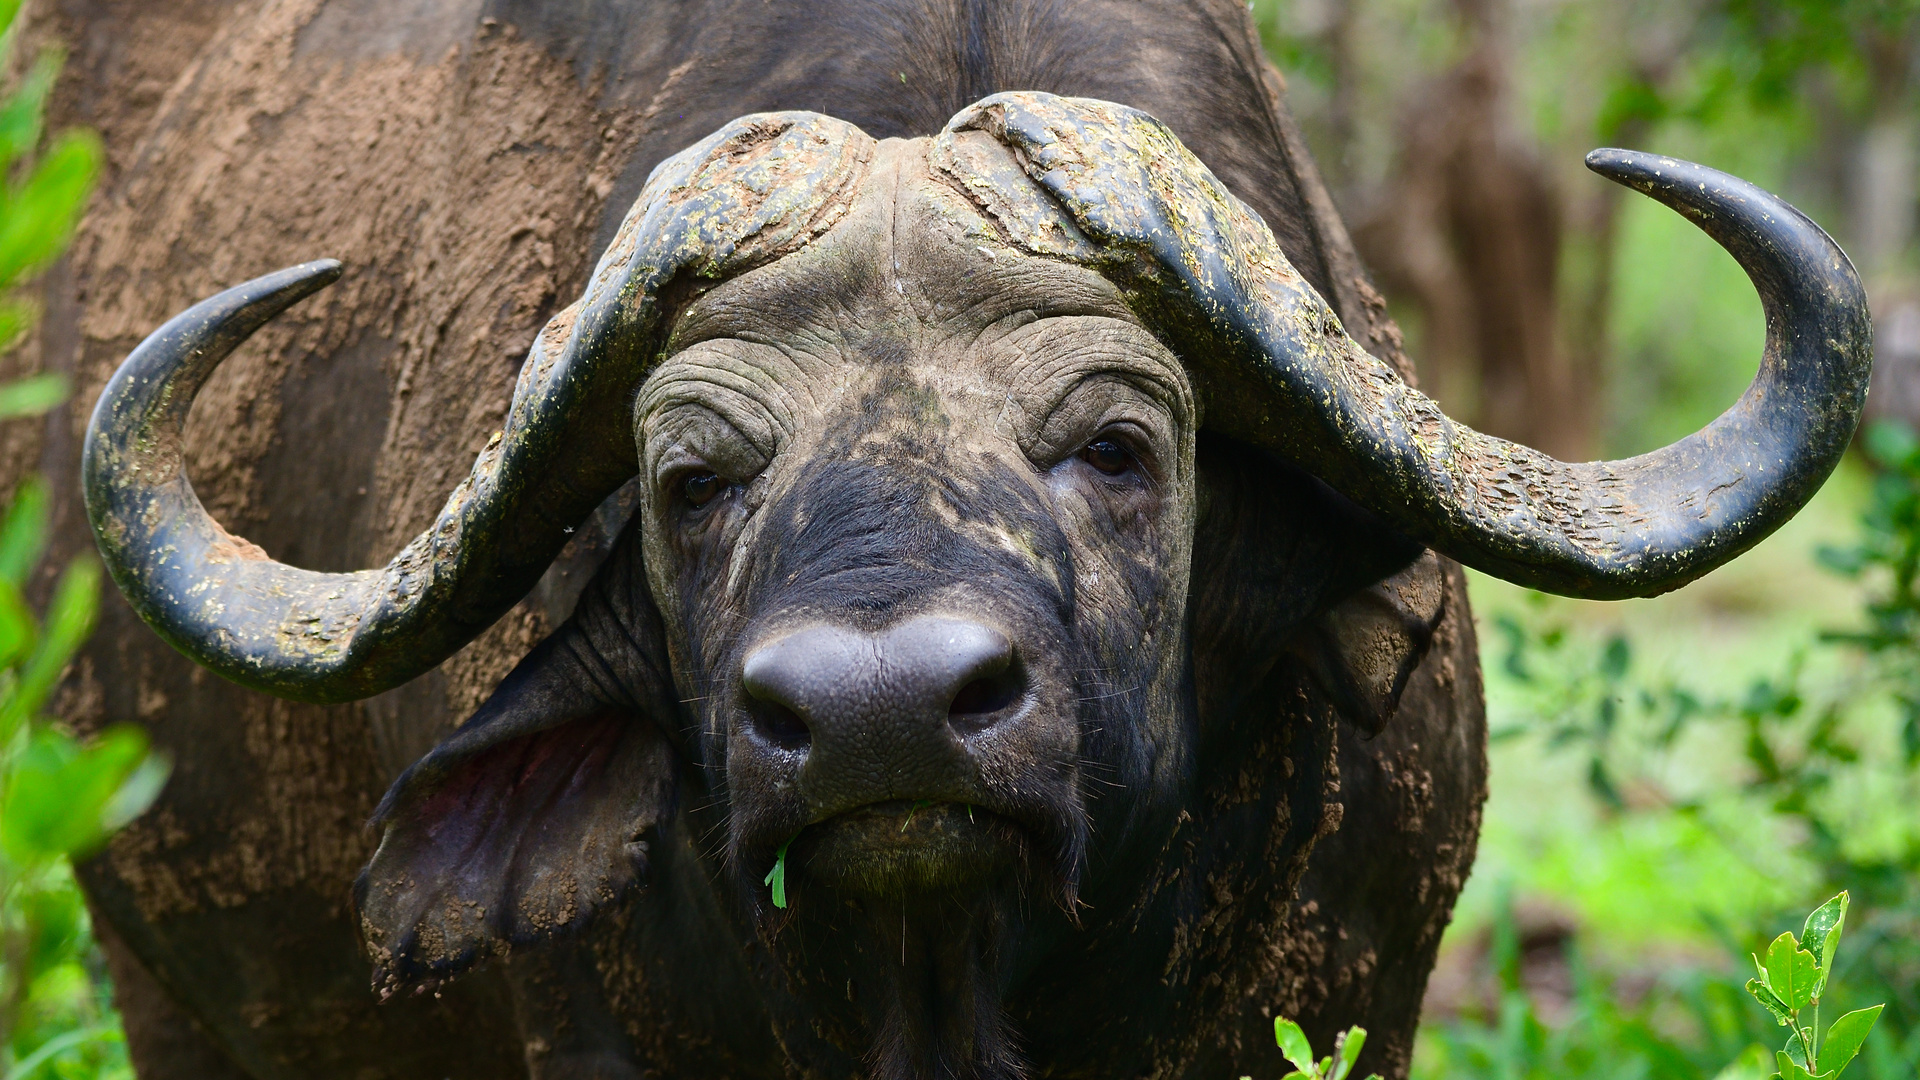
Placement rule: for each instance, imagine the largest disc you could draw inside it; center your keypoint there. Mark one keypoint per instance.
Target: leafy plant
(1293, 1044)
(59, 799)
(1800, 734)
(1792, 979)
(60, 795)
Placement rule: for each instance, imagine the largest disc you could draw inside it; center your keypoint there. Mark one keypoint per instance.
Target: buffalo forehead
(912, 260)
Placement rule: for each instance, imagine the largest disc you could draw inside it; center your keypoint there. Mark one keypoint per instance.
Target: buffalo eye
(1108, 456)
(701, 488)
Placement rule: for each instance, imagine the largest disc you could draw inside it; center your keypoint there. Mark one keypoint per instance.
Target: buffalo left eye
(1107, 456)
(701, 488)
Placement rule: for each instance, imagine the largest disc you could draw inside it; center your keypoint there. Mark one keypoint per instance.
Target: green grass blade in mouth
(777, 877)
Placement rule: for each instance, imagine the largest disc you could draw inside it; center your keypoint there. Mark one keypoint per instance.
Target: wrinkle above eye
(1075, 375)
(731, 416)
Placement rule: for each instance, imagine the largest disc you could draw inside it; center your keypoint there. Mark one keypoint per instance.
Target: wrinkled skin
(918, 409)
(925, 404)
(226, 910)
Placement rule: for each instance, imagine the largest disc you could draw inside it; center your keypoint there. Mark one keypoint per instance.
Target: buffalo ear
(537, 811)
(1285, 566)
(1363, 650)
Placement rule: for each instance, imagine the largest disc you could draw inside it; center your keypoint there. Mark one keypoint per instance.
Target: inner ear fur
(1283, 565)
(539, 810)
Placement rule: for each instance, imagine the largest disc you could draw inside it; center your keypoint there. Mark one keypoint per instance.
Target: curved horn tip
(313, 276)
(1645, 172)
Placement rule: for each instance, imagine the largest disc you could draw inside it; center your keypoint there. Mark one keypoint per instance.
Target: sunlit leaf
(56, 804)
(1790, 972)
(1821, 935)
(1293, 1044)
(1348, 1052)
(1845, 1038)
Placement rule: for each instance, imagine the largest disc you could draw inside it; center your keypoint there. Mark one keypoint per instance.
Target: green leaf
(1791, 1070)
(23, 535)
(1766, 998)
(137, 792)
(60, 791)
(1790, 972)
(69, 621)
(18, 629)
(1845, 1037)
(1348, 1052)
(42, 210)
(22, 111)
(1293, 1044)
(1822, 936)
(35, 394)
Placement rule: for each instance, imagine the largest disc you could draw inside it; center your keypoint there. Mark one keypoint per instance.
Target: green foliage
(60, 795)
(1295, 1048)
(1889, 548)
(1764, 49)
(1805, 760)
(1791, 981)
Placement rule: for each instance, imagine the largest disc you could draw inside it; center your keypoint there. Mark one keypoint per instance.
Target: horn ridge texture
(756, 189)
(1282, 373)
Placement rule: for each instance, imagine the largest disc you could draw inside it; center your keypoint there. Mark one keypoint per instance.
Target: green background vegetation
(1675, 781)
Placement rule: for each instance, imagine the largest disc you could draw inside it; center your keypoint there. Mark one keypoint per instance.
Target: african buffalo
(966, 558)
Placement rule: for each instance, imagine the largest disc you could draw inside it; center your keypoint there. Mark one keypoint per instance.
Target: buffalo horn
(757, 188)
(1283, 374)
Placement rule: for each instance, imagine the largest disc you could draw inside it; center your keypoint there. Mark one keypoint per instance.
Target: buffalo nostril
(779, 725)
(776, 680)
(982, 701)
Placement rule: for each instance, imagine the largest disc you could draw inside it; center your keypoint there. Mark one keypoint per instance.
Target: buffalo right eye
(1108, 456)
(702, 488)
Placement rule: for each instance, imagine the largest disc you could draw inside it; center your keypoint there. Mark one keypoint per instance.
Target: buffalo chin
(907, 910)
(901, 848)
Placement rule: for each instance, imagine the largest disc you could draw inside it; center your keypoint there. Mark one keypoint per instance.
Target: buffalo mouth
(909, 846)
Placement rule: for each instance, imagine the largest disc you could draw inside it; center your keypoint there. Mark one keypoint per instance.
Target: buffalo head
(919, 433)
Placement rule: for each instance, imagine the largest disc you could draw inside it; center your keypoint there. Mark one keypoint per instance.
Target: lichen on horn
(756, 189)
(1123, 193)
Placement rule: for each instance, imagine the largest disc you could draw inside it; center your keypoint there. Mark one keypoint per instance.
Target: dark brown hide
(467, 160)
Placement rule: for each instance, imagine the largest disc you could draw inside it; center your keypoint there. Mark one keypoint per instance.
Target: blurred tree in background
(1452, 132)
(1675, 781)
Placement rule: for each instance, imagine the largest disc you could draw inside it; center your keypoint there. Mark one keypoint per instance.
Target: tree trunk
(1470, 228)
